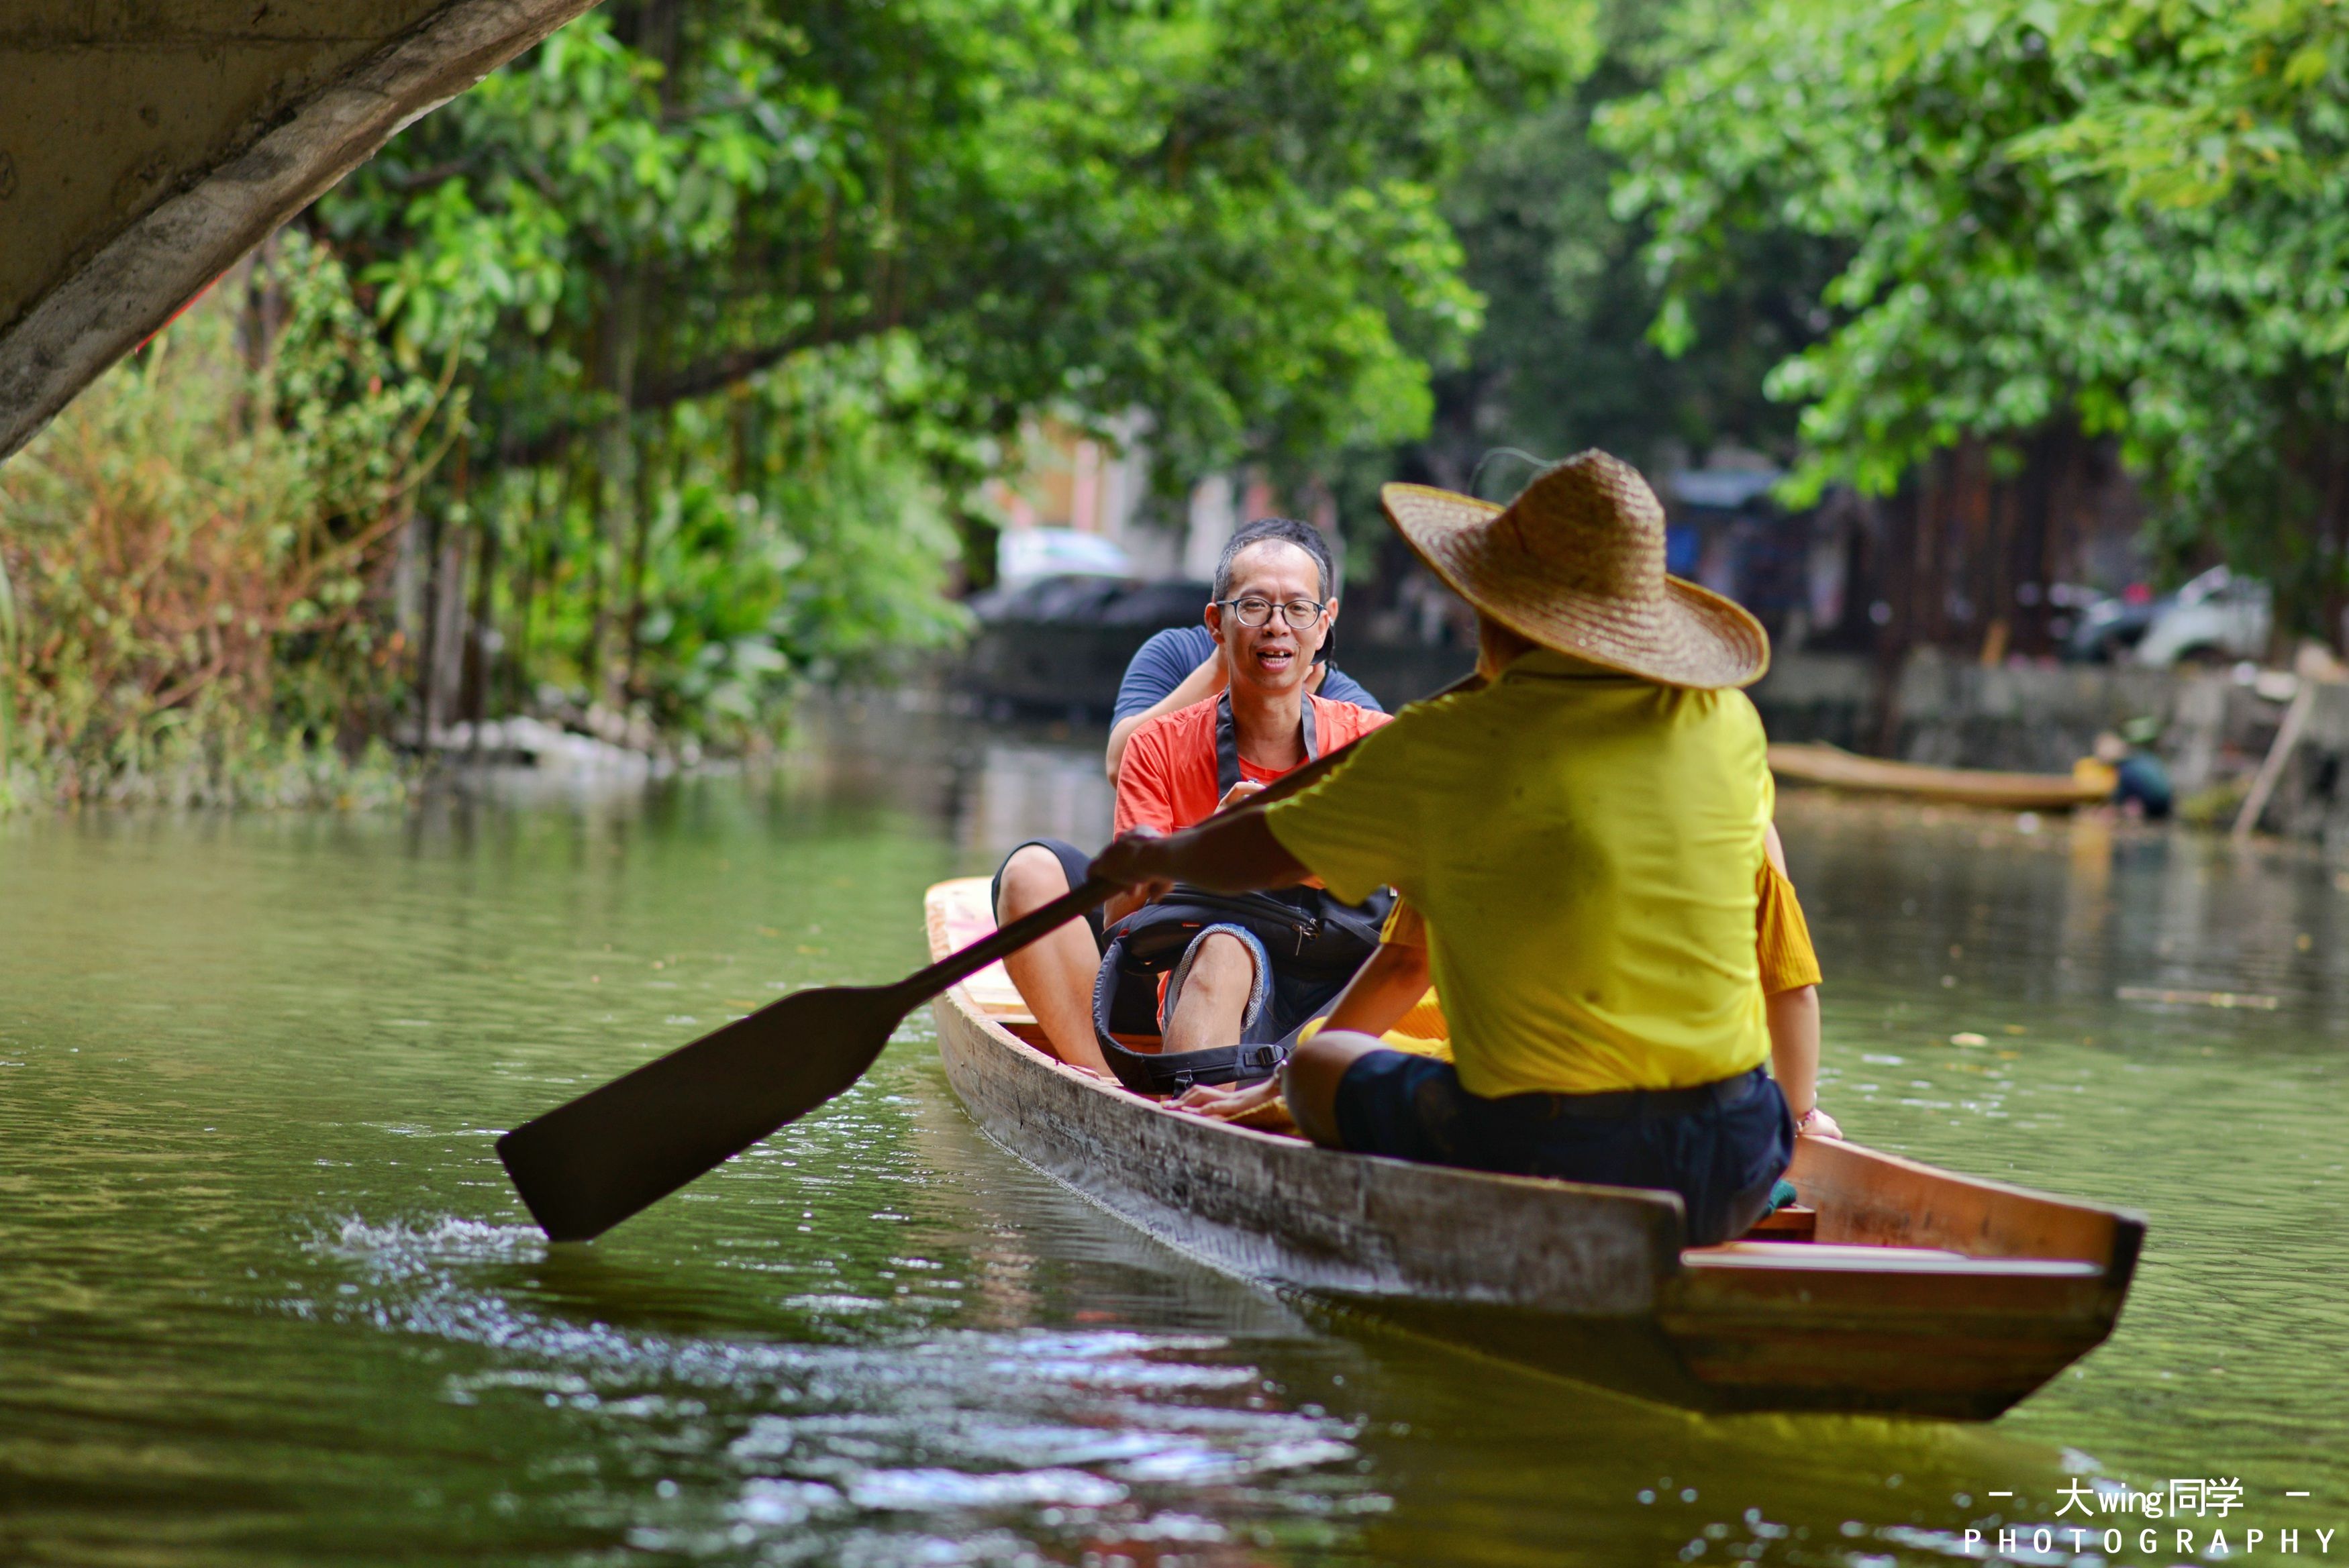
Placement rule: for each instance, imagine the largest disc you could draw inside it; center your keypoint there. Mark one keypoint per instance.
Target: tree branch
(722, 370)
(698, 379)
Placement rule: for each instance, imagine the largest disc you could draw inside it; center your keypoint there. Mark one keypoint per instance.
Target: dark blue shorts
(1722, 1148)
(1074, 864)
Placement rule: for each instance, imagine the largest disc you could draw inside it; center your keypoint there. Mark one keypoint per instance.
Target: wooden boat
(1841, 769)
(1892, 1286)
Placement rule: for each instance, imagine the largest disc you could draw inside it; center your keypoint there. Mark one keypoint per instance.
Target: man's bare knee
(1309, 1080)
(1032, 878)
(1213, 1004)
(1222, 961)
(1322, 1061)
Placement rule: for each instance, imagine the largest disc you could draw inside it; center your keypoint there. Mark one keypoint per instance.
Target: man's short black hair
(1287, 529)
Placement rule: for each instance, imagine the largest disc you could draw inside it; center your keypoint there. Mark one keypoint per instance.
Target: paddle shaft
(924, 984)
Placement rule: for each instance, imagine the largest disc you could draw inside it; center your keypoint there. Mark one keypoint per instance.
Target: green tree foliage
(2188, 105)
(1563, 358)
(807, 267)
(1225, 215)
(2115, 214)
(1564, 361)
(787, 537)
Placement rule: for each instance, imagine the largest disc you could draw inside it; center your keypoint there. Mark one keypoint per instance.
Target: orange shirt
(1788, 960)
(1166, 779)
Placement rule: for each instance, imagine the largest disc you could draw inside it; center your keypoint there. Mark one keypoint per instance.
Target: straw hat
(1577, 564)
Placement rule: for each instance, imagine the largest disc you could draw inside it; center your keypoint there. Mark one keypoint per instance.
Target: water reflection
(1974, 1017)
(268, 1298)
(991, 785)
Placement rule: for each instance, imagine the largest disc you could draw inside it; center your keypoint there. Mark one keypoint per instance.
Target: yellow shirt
(1586, 847)
(1783, 950)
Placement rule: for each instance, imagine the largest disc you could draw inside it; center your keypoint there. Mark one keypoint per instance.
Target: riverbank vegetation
(195, 553)
(659, 376)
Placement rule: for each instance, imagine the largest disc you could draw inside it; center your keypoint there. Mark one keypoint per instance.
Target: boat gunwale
(1296, 1147)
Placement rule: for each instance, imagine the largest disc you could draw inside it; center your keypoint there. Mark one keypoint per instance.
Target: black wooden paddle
(585, 1167)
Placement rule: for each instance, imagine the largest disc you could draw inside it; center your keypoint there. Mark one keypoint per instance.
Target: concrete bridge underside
(145, 145)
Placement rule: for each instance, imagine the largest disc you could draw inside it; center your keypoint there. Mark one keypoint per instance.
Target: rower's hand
(1136, 860)
(1817, 1123)
(1315, 676)
(1239, 792)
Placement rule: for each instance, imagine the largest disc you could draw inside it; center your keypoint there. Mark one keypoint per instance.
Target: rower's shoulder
(1448, 706)
(1724, 724)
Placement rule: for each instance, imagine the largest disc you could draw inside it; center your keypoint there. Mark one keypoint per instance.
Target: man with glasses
(1275, 603)
(1182, 664)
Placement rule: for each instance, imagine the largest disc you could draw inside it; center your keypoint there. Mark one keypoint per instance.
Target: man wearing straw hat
(1583, 836)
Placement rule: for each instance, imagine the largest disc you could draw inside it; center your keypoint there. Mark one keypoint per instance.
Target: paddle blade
(584, 1167)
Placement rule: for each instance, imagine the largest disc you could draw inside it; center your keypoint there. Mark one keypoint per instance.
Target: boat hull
(1590, 1281)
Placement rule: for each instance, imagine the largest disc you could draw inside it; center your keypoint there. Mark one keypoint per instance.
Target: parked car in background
(1083, 600)
(2109, 626)
(2219, 617)
(1030, 554)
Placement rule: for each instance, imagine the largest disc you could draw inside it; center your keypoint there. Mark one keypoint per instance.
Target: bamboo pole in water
(2295, 720)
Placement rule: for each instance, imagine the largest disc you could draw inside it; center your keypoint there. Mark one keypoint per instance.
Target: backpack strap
(1227, 742)
(1156, 1073)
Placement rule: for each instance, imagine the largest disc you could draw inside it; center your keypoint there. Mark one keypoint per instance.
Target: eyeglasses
(1253, 611)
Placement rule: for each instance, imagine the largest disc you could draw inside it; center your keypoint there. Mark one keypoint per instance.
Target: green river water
(265, 1297)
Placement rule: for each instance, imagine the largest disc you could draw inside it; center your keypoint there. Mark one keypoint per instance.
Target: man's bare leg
(1054, 972)
(1309, 1080)
(1213, 1003)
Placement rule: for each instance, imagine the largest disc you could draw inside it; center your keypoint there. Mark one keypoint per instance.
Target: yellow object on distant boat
(1841, 769)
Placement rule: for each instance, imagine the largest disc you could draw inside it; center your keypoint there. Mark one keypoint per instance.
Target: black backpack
(1307, 933)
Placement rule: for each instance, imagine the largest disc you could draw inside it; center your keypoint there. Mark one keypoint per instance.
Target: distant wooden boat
(1893, 1286)
(1841, 769)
